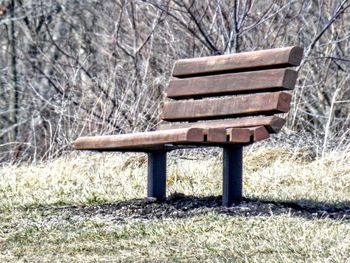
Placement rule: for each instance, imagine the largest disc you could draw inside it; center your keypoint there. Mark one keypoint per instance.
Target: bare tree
(101, 67)
(12, 73)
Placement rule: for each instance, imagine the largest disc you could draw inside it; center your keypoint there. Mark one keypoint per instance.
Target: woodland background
(78, 67)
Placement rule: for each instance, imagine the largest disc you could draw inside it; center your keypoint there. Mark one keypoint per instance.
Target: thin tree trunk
(13, 74)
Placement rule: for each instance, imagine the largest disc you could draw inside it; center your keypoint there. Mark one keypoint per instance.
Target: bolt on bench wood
(227, 101)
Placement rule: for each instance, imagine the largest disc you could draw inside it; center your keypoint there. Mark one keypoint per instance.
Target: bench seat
(141, 140)
(172, 139)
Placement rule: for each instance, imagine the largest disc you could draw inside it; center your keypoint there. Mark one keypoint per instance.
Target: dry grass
(33, 229)
(276, 174)
(212, 238)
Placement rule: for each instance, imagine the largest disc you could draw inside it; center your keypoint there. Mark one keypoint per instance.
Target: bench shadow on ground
(181, 206)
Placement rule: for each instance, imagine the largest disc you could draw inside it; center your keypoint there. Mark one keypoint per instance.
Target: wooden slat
(247, 135)
(256, 104)
(236, 83)
(259, 133)
(236, 135)
(272, 123)
(217, 135)
(254, 60)
(239, 135)
(140, 140)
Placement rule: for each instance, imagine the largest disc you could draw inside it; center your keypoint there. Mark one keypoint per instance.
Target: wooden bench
(227, 101)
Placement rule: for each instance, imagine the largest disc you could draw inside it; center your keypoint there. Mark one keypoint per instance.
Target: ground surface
(90, 208)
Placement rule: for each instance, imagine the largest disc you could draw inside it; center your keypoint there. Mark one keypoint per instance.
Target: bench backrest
(239, 90)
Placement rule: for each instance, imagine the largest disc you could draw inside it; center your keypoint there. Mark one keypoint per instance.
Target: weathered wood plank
(257, 104)
(254, 60)
(140, 140)
(247, 135)
(259, 133)
(239, 135)
(215, 135)
(272, 123)
(235, 83)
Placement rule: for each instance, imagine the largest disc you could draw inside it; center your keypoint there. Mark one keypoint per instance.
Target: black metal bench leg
(157, 175)
(232, 175)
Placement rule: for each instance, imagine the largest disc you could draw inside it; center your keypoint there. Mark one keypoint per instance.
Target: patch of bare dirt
(181, 206)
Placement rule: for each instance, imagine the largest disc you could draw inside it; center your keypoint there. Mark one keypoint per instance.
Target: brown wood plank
(254, 60)
(257, 104)
(272, 123)
(239, 135)
(259, 133)
(140, 140)
(216, 135)
(247, 135)
(235, 83)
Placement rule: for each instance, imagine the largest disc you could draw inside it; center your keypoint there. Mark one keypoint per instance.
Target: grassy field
(87, 207)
